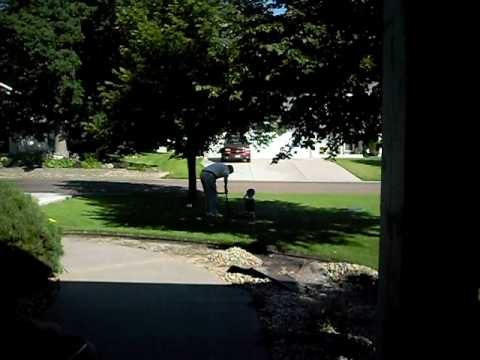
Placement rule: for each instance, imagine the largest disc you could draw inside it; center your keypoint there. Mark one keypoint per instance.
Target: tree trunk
(61, 148)
(192, 178)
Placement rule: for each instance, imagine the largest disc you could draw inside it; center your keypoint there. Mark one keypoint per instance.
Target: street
(78, 187)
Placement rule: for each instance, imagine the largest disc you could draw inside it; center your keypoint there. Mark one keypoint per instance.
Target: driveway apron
(135, 304)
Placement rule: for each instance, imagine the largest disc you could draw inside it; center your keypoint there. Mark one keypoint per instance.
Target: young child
(249, 199)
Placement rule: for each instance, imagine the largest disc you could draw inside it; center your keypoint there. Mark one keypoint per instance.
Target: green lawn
(177, 168)
(336, 227)
(369, 169)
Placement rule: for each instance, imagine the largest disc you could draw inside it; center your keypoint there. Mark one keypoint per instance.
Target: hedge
(25, 227)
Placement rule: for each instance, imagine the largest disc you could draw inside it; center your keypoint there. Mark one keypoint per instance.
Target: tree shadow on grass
(279, 224)
(371, 162)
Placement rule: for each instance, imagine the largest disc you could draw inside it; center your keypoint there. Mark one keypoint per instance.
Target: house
(280, 141)
(30, 144)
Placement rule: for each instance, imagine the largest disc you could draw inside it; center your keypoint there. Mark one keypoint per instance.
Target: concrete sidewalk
(134, 304)
(80, 174)
(44, 198)
(323, 170)
(293, 170)
(87, 260)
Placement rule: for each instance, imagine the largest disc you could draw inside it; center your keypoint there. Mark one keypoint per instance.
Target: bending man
(209, 178)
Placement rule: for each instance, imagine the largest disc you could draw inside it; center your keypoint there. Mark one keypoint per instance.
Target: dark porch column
(428, 293)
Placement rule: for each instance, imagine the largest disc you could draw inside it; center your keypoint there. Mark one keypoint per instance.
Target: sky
(276, 11)
(279, 11)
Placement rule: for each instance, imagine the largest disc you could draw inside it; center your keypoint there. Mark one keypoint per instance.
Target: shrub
(24, 226)
(139, 167)
(27, 159)
(60, 163)
(90, 162)
(5, 161)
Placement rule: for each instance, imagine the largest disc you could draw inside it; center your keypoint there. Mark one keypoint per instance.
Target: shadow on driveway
(160, 321)
(123, 320)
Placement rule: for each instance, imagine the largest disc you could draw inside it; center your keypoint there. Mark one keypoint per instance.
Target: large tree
(99, 55)
(190, 70)
(38, 58)
(174, 84)
(317, 68)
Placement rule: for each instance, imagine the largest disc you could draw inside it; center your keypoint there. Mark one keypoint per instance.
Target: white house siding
(268, 152)
(29, 144)
(281, 141)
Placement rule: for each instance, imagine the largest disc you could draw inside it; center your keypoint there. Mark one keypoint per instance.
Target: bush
(60, 163)
(25, 227)
(27, 159)
(5, 161)
(139, 167)
(90, 162)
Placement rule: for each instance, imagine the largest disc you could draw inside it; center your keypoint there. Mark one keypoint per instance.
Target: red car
(235, 150)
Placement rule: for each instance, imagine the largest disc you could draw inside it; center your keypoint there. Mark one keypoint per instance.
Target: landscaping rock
(235, 278)
(339, 271)
(331, 316)
(235, 256)
(313, 273)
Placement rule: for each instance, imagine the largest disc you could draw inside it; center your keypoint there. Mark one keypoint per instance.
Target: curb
(186, 241)
(48, 198)
(141, 237)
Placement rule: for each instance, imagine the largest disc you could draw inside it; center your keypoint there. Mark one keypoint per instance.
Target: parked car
(235, 149)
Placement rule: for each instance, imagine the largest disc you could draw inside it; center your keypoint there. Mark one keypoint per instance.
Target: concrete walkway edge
(44, 198)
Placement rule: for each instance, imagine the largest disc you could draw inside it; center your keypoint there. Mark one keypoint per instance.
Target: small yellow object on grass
(52, 220)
